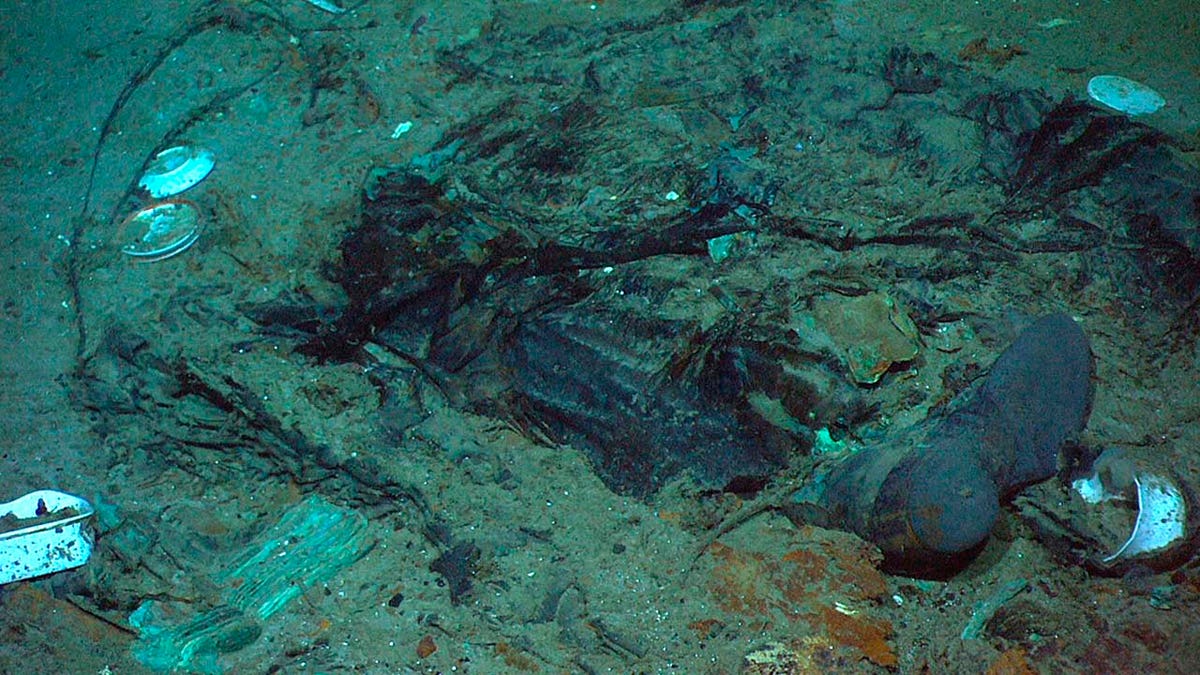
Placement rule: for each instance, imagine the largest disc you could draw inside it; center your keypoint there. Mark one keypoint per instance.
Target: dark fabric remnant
(420, 255)
(1008, 120)
(911, 73)
(1078, 145)
(1158, 195)
(591, 383)
(458, 566)
(1077, 155)
(1172, 264)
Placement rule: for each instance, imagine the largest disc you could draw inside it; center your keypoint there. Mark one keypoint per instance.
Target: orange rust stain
(56, 617)
(671, 516)
(809, 564)
(738, 582)
(426, 647)
(515, 659)
(704, 627)
(721, 551)
(859, 569)
(866, 635)
(1011, 662)
(803, 577)
(322, 626)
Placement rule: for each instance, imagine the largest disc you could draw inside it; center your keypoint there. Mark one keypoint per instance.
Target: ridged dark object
(594, 383)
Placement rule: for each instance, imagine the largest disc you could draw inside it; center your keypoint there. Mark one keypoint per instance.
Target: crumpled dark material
(513, 326)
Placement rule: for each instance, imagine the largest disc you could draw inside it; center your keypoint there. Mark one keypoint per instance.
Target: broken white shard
(326, 5)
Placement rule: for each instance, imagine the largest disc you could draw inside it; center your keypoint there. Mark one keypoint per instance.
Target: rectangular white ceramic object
(52, 544)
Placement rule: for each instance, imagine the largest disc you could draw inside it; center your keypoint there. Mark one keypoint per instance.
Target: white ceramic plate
(161, 230)
(176, 169)
(1161, 520)
(1125, 95)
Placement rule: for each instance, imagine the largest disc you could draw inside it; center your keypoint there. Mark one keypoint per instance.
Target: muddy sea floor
(479, 544)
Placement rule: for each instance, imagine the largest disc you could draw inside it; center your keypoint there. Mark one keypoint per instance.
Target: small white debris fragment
(327, 6)
(1055, 23)
(401, 129)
